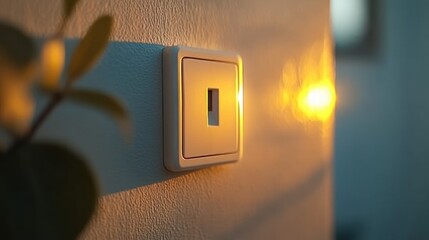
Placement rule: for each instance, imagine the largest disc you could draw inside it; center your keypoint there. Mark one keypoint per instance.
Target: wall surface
(381, 150)
(370, 132)
(417, 85)
(282, 187)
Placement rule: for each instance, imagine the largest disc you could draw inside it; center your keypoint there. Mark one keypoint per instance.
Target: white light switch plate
(203, 108)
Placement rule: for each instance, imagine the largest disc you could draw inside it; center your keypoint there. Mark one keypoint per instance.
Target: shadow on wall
(350, 231)
(278, 205)
(133, 73)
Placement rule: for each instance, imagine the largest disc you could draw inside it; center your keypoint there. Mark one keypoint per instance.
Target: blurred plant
(47, 190)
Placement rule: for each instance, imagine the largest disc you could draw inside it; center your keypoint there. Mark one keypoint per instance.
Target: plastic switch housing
(203, 108)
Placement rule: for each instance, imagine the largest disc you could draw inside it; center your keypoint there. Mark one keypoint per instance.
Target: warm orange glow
(318, 101)
(240, 97)
(53, 55)
(319, 97)
(307, 88)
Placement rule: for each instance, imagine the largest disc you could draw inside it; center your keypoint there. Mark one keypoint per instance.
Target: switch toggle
(202, 108)
(213, 107)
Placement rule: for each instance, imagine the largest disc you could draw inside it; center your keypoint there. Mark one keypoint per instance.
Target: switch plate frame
(174, 159)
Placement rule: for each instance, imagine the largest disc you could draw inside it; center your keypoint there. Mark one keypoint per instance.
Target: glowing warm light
(318, 102)
(240, 97)
(307, 88)
(53, 55)
(319, 98)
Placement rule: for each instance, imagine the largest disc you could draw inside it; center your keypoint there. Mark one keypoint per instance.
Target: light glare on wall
(318, 101)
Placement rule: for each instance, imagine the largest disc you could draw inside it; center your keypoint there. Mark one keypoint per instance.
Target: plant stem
(55, 99)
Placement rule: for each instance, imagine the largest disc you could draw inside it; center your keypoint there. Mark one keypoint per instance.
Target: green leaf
(47, 192)
(69, 7)
(17, 48)
(105, 103)
(91, 48)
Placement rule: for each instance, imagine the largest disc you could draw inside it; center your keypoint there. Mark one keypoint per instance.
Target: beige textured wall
(281, 190)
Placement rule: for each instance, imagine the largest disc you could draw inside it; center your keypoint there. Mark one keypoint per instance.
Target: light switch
(209, 108)
(202, 93)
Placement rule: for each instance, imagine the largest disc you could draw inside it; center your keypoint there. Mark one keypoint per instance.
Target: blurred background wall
(282, 187)
(382, 142)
